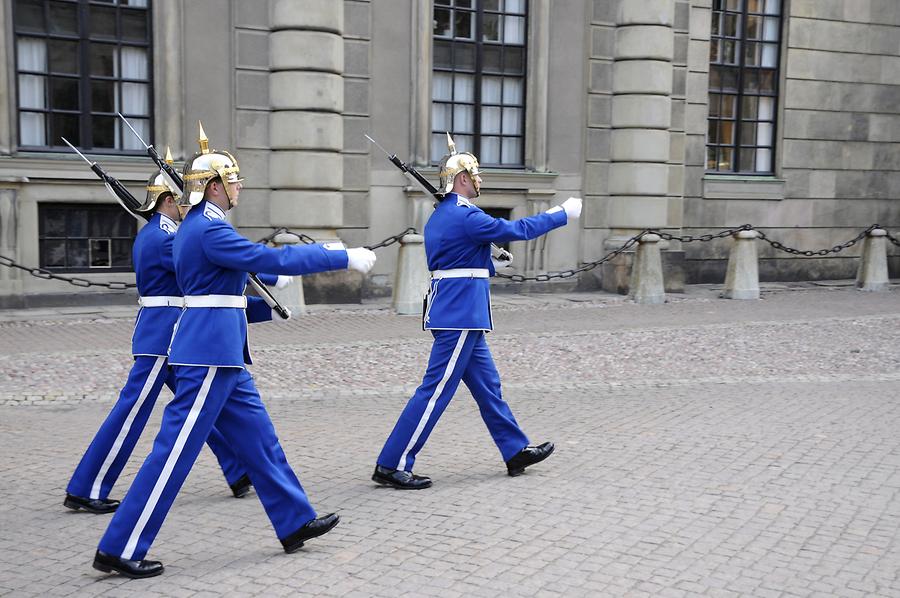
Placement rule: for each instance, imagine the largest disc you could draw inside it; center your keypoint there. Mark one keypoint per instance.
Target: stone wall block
(306, 90)
(637, 212)
(630, 178)
(306, 130)
(306, 170)
(650, 42)
(306, 209)
(642, 76)
(641, 111)
(640, 145)
(323, 15)
(306, 50)
(646, 12)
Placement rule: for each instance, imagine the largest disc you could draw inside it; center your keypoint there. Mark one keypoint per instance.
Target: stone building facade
(613, 103)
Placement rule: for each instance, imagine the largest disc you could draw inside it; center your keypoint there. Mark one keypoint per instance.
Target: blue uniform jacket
(154, 270)
(211, 258)
(155, 276)
(459, 235)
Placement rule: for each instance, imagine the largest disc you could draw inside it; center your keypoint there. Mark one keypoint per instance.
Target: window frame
(85, 113)
(477, 72)
(742, 71)
(91, 209)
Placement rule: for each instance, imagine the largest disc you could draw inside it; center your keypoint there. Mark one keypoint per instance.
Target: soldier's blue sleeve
(483, 228)
(258, 310)
(166, 256)
(225, 248)
(267, 279)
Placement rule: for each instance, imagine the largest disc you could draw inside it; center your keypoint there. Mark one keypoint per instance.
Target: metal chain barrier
(309, 240)
(306, 239)
(893, 239)
(78, 282)
(583, 268)
(809, 253)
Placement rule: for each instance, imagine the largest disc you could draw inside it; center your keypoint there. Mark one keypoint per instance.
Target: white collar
(212, 211)
(462, 201)
(167, 224)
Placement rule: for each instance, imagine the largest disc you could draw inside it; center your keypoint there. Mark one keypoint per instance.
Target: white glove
(572, 206)
(283, 281)
(360, 258)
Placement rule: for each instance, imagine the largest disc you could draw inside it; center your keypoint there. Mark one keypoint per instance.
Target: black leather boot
(241, 488)
(403, 480)
(312, 529)
(133, 569)
(528, 456)
(99, 506)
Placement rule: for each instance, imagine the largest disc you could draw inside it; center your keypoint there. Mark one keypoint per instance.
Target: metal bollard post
(742, 277)
(646, 284)
(872, 274)
(290, 296)
(412, 277)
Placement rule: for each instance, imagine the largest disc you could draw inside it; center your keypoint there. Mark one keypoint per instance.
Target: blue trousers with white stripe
(456, 356)
(115, 440)
(226, 397)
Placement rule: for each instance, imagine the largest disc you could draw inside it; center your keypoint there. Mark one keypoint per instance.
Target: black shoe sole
(71, 504)
(109, 569)
(322, 532)
(520, 470)
(399, 486)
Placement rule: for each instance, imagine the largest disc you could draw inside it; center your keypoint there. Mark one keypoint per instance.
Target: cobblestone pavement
(704, 448)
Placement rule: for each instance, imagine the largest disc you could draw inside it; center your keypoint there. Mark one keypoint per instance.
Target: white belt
(461, 273)
(237, 301)
(161, 301)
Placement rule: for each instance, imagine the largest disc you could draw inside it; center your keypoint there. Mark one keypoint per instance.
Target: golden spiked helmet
(454, 163)
(203, 167)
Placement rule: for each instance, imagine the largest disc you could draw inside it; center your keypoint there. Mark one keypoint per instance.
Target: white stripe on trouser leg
(170, 465)
(434, 397)
(126, 427)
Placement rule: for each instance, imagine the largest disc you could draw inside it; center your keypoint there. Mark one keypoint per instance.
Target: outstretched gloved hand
(360, 258)
(283, 281)
(572, 206)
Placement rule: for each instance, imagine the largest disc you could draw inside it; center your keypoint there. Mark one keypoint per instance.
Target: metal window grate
(478, 79)
(744, 56)
(85, 237)
(77, 63)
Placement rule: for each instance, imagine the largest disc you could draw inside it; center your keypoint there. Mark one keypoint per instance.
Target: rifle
(430, 190)
(171, 176)
(176, 184)
(115, 188)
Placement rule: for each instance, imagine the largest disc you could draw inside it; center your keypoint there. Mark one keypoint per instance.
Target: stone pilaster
(306, 94)
(640, 122)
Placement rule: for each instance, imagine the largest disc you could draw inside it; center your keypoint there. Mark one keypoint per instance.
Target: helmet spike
(203, 140)
(169, 159)
(450, 145)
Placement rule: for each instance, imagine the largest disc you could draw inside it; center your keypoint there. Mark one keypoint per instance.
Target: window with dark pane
(85, 237)
(744, 56)
(78, 62)
(478, 79)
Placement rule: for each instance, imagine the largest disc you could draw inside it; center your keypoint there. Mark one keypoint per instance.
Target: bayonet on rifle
(119, 192)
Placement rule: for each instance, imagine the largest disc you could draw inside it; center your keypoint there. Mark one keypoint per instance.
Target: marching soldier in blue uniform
(208, 352)
(160, 301)
(458, 239)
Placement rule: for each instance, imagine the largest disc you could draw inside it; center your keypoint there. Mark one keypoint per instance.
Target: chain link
(309, 240)
(893, 239)
(810, 253)
(73, 280)
(704, 238)
(392, 240)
